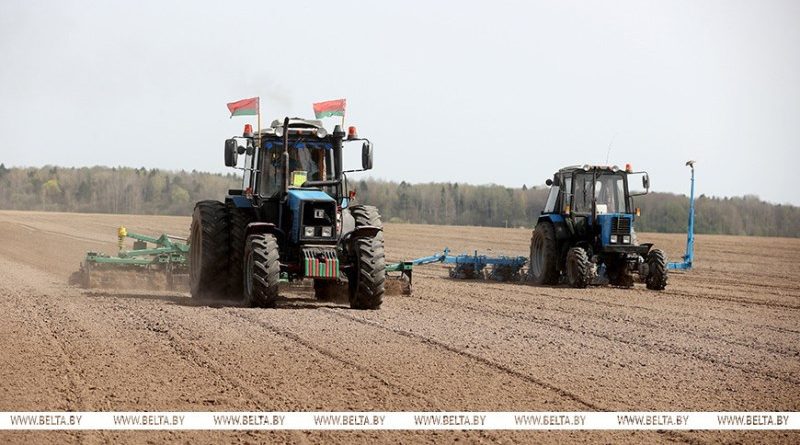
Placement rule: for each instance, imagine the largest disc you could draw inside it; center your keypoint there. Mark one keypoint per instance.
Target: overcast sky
(477, 92)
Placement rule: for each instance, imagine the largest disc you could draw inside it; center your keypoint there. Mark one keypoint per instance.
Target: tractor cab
(596, 203)
(586, 229)
(292, 218)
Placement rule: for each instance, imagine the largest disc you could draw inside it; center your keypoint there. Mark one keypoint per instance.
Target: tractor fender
(364, 232)
(239, 201)
(360, 232)
(560, 227)
(346, 242)
(255, 228)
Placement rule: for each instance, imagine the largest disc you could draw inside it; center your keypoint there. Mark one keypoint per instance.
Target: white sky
(477, 92)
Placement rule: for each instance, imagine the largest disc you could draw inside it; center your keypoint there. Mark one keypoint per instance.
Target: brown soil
(724, 337)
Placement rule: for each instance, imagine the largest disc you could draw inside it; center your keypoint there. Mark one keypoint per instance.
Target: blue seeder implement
(503, 268)
(688, 258)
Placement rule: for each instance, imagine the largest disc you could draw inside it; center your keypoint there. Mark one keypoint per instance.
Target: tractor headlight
(612, 239)
(321, 132)
(308, 231)
(327, 232)
(626, 239)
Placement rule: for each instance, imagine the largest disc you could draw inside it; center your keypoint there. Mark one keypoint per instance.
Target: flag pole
(258, 139)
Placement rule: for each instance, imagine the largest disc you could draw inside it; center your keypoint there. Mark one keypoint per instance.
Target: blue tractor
(293, 217)
(585, 233)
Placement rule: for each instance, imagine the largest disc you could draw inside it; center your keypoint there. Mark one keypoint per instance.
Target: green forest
(154, 191)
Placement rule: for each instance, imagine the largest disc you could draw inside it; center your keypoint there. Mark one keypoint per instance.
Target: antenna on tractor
(608, 153)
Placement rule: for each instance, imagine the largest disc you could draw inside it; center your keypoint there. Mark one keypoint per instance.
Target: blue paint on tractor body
(605, 221)
(296, 198)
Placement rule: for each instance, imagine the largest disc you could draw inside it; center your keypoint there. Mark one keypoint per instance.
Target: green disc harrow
(153, 263)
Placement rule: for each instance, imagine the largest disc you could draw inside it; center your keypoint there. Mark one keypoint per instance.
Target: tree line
(154, 191)
(498, 206)
(109, 189)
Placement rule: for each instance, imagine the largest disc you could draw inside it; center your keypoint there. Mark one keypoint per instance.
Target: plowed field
(724, 337)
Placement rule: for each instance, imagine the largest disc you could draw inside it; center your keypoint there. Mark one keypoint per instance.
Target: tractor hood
(296, 196)
(311, 208)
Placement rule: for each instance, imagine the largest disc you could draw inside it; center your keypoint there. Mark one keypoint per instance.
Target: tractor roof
(298, 122)
(588, 167)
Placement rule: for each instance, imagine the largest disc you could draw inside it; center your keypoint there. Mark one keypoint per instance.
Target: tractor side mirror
(231, 152)
(549, 182)
(366, 155)
(634, 189)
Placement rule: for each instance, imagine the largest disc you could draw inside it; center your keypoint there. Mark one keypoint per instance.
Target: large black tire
(367, 277)
(262, 270)
(239, 219)
(543, 262)
(208, 258)
(579, 273)
(657, 270)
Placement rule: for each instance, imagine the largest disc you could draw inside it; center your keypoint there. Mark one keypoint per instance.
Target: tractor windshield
(307, 162)
(607, 188)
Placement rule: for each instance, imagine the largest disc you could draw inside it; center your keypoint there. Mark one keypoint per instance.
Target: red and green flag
(244, 107)
(330, 108)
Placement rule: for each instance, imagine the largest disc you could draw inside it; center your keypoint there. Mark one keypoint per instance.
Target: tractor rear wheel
(208, 259)
(262, 270)
(239, 219)
(543, 263)
(579, 272)
(367, 277)
(657, 270)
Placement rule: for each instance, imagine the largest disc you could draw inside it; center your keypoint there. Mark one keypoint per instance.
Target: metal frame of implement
(504, 268)
(688, 258)
(169, 255)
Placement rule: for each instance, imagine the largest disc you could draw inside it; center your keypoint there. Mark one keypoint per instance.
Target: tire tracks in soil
(36, 307)
(522, 290)
(331, 355)
(756, 347)
(671, 435)
(612, 338)
(188, 351)
(739, 300)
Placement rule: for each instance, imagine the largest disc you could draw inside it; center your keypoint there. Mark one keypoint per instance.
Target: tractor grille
(621, 226)
(320, 263)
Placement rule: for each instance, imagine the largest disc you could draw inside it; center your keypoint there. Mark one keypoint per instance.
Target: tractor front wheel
(208, 259)
(579, 269)
(657, 270)
(367, 277)
(262, 270)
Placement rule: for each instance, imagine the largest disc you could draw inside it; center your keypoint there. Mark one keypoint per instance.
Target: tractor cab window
(607, 188)
(582, 193)
(307, 162)
(250, 163)
(610, 193)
